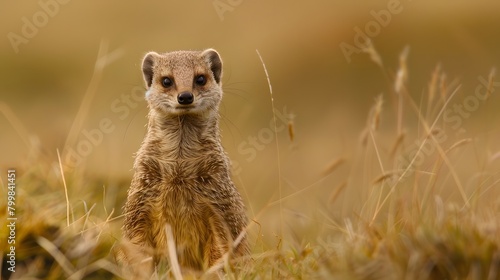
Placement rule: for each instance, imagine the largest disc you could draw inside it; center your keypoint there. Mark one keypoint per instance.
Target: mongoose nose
(185, 98)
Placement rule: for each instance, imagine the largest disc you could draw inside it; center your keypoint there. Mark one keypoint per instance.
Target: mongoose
(182, 174)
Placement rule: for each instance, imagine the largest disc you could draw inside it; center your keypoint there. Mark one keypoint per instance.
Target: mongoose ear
(215, 62)
(147, 67)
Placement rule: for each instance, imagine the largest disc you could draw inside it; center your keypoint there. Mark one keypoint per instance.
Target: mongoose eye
(166, 82)
(200, 80)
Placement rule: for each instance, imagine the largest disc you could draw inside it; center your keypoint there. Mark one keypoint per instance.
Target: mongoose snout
(185, 98)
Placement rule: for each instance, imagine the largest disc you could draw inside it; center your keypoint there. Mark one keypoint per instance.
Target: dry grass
(411, 226)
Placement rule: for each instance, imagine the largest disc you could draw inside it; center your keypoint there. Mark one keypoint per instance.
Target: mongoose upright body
(182, 174)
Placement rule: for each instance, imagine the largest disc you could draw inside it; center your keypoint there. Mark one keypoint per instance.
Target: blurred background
(71, 80)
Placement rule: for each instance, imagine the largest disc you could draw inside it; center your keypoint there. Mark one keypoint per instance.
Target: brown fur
(182, 174)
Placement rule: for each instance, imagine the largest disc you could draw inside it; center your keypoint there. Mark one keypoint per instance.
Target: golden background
(85, 56)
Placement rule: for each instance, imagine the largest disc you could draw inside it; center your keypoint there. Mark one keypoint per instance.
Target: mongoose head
(183, 82)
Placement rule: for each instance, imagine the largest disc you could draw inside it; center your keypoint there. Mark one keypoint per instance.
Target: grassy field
(432, 212)
(372, 162)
